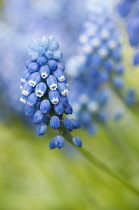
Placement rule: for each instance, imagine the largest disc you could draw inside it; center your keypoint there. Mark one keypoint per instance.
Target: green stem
(95, 161)
(98, 163)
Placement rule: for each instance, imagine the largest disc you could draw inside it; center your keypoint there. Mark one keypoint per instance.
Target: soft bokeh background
(34, 177)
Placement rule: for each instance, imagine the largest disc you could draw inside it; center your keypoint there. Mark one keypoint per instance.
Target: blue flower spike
(44, 90)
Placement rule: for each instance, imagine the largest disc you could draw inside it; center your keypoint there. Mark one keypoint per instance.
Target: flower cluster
(129, 10)
(98, 62)
(44, 90)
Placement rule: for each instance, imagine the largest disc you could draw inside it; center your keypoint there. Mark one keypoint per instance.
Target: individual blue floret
(33, 67)
(38, 117)
(34, 79)
(40, 89)
(67, 123)
(29, 110)
(45, 106)
(64, 100)
(54, 96)
(59, 109)
(77, 141)
(42, 61)
(75, 124)
(23, 99)
(55, 122)
(56, 142)
(59, 75)
(41, 129)
(27, 89)
(60, 66)
(44, 71)
(63, 88)
(52, 65)
(68, 109)
(32, 99)
(25, 76)
(52, 82)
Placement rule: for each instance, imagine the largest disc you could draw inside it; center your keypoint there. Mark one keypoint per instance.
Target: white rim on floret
(23, 100)
(61, 78)
(39, 93)
(32, 83)
(64, 92)
(44, 75)
(30, 104)
(23, 80)
(55, 100)
(53, 86)
(25, 92)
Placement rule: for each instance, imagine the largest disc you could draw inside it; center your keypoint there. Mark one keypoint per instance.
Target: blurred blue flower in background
(97, 64)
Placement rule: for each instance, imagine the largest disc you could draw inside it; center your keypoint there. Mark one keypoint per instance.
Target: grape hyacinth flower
(44, 90)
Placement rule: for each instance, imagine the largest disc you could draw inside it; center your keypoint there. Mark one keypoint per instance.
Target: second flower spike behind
(44, 90)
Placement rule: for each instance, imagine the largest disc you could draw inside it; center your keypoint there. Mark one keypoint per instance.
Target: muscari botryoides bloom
(44, 90)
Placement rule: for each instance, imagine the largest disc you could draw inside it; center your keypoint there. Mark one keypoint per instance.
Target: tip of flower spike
(44, 47)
